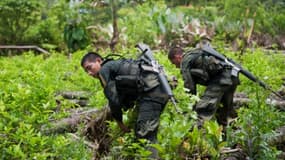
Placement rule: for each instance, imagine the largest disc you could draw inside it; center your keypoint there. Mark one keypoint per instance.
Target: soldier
(125, 83)
(200, 68)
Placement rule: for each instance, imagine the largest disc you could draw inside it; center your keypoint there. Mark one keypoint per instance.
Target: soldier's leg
(227, 110)
(148, 121)
(207, 106)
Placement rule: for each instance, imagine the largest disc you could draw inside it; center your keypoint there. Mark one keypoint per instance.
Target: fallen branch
(232, 153)
(74, 94)
(241, 99)
(24, 47)
(71, 123)
(90, 145)
(226, 150)
(279, 138)
(78, 98)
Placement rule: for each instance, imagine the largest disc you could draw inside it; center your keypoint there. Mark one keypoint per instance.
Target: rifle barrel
(253, 78)
(246, 73)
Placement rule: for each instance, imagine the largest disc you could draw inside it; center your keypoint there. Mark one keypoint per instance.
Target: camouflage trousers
(150, 105)
(214, 95)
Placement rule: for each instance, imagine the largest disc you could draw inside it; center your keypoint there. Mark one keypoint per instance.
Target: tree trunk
(115, 37)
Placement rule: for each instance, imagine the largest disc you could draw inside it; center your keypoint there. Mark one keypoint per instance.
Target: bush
(19, 16)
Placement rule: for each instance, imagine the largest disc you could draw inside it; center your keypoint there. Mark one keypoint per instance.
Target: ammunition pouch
(150, 81)
(213, 65)
(129, 67)
(200, 73)
(149, 77)
(226, 77)
(128, 80)
(135, 77)
(130, 84)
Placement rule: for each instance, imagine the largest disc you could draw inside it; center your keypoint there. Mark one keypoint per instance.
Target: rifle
(237, 68)
(148, 57)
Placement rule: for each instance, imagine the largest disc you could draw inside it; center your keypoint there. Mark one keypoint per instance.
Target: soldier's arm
(189, 83)
(110, 92)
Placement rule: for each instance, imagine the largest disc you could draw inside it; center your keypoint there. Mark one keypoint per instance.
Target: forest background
(250, 32)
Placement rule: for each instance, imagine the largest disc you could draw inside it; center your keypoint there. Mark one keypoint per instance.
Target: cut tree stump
(95, 127)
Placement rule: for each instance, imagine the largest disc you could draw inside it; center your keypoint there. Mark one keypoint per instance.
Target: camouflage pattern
(126, 83)
(205, 70)
(150, 106)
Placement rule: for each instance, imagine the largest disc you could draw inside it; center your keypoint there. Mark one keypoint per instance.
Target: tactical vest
(199, 67)
(134, 77)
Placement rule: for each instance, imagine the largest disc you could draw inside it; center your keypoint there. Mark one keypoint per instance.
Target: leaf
(78, 34)
(2, 106)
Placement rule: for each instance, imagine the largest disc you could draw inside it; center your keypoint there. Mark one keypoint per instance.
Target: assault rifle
(148, 57)
(237, 68)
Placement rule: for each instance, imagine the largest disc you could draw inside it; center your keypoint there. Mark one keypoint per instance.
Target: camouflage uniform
(126, 83)
(199, 68)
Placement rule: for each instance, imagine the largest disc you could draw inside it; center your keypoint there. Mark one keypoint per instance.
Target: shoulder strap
(114, 55)
(110, 57)
(192, 56)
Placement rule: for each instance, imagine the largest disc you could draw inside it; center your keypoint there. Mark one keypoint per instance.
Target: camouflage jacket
(123, 81)
(200, 68)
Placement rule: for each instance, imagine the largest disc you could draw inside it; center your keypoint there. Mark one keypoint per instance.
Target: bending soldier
(200, 68)
(125, 83)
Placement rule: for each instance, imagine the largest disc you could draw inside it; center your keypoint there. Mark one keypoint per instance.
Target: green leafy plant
(75, 36)
(27, 100)
(253, 131)
(203, 143)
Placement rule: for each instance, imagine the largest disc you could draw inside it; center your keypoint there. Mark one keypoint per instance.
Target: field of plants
(37, 121)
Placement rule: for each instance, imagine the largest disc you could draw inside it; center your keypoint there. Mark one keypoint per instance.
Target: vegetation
(30, 82)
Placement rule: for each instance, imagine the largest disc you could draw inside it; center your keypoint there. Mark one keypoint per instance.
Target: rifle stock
(146, 51)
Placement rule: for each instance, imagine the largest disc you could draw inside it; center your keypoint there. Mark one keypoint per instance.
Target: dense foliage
(46, 23)
(27, 102)
(19, 16)
(30, 82)
(28, 87)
